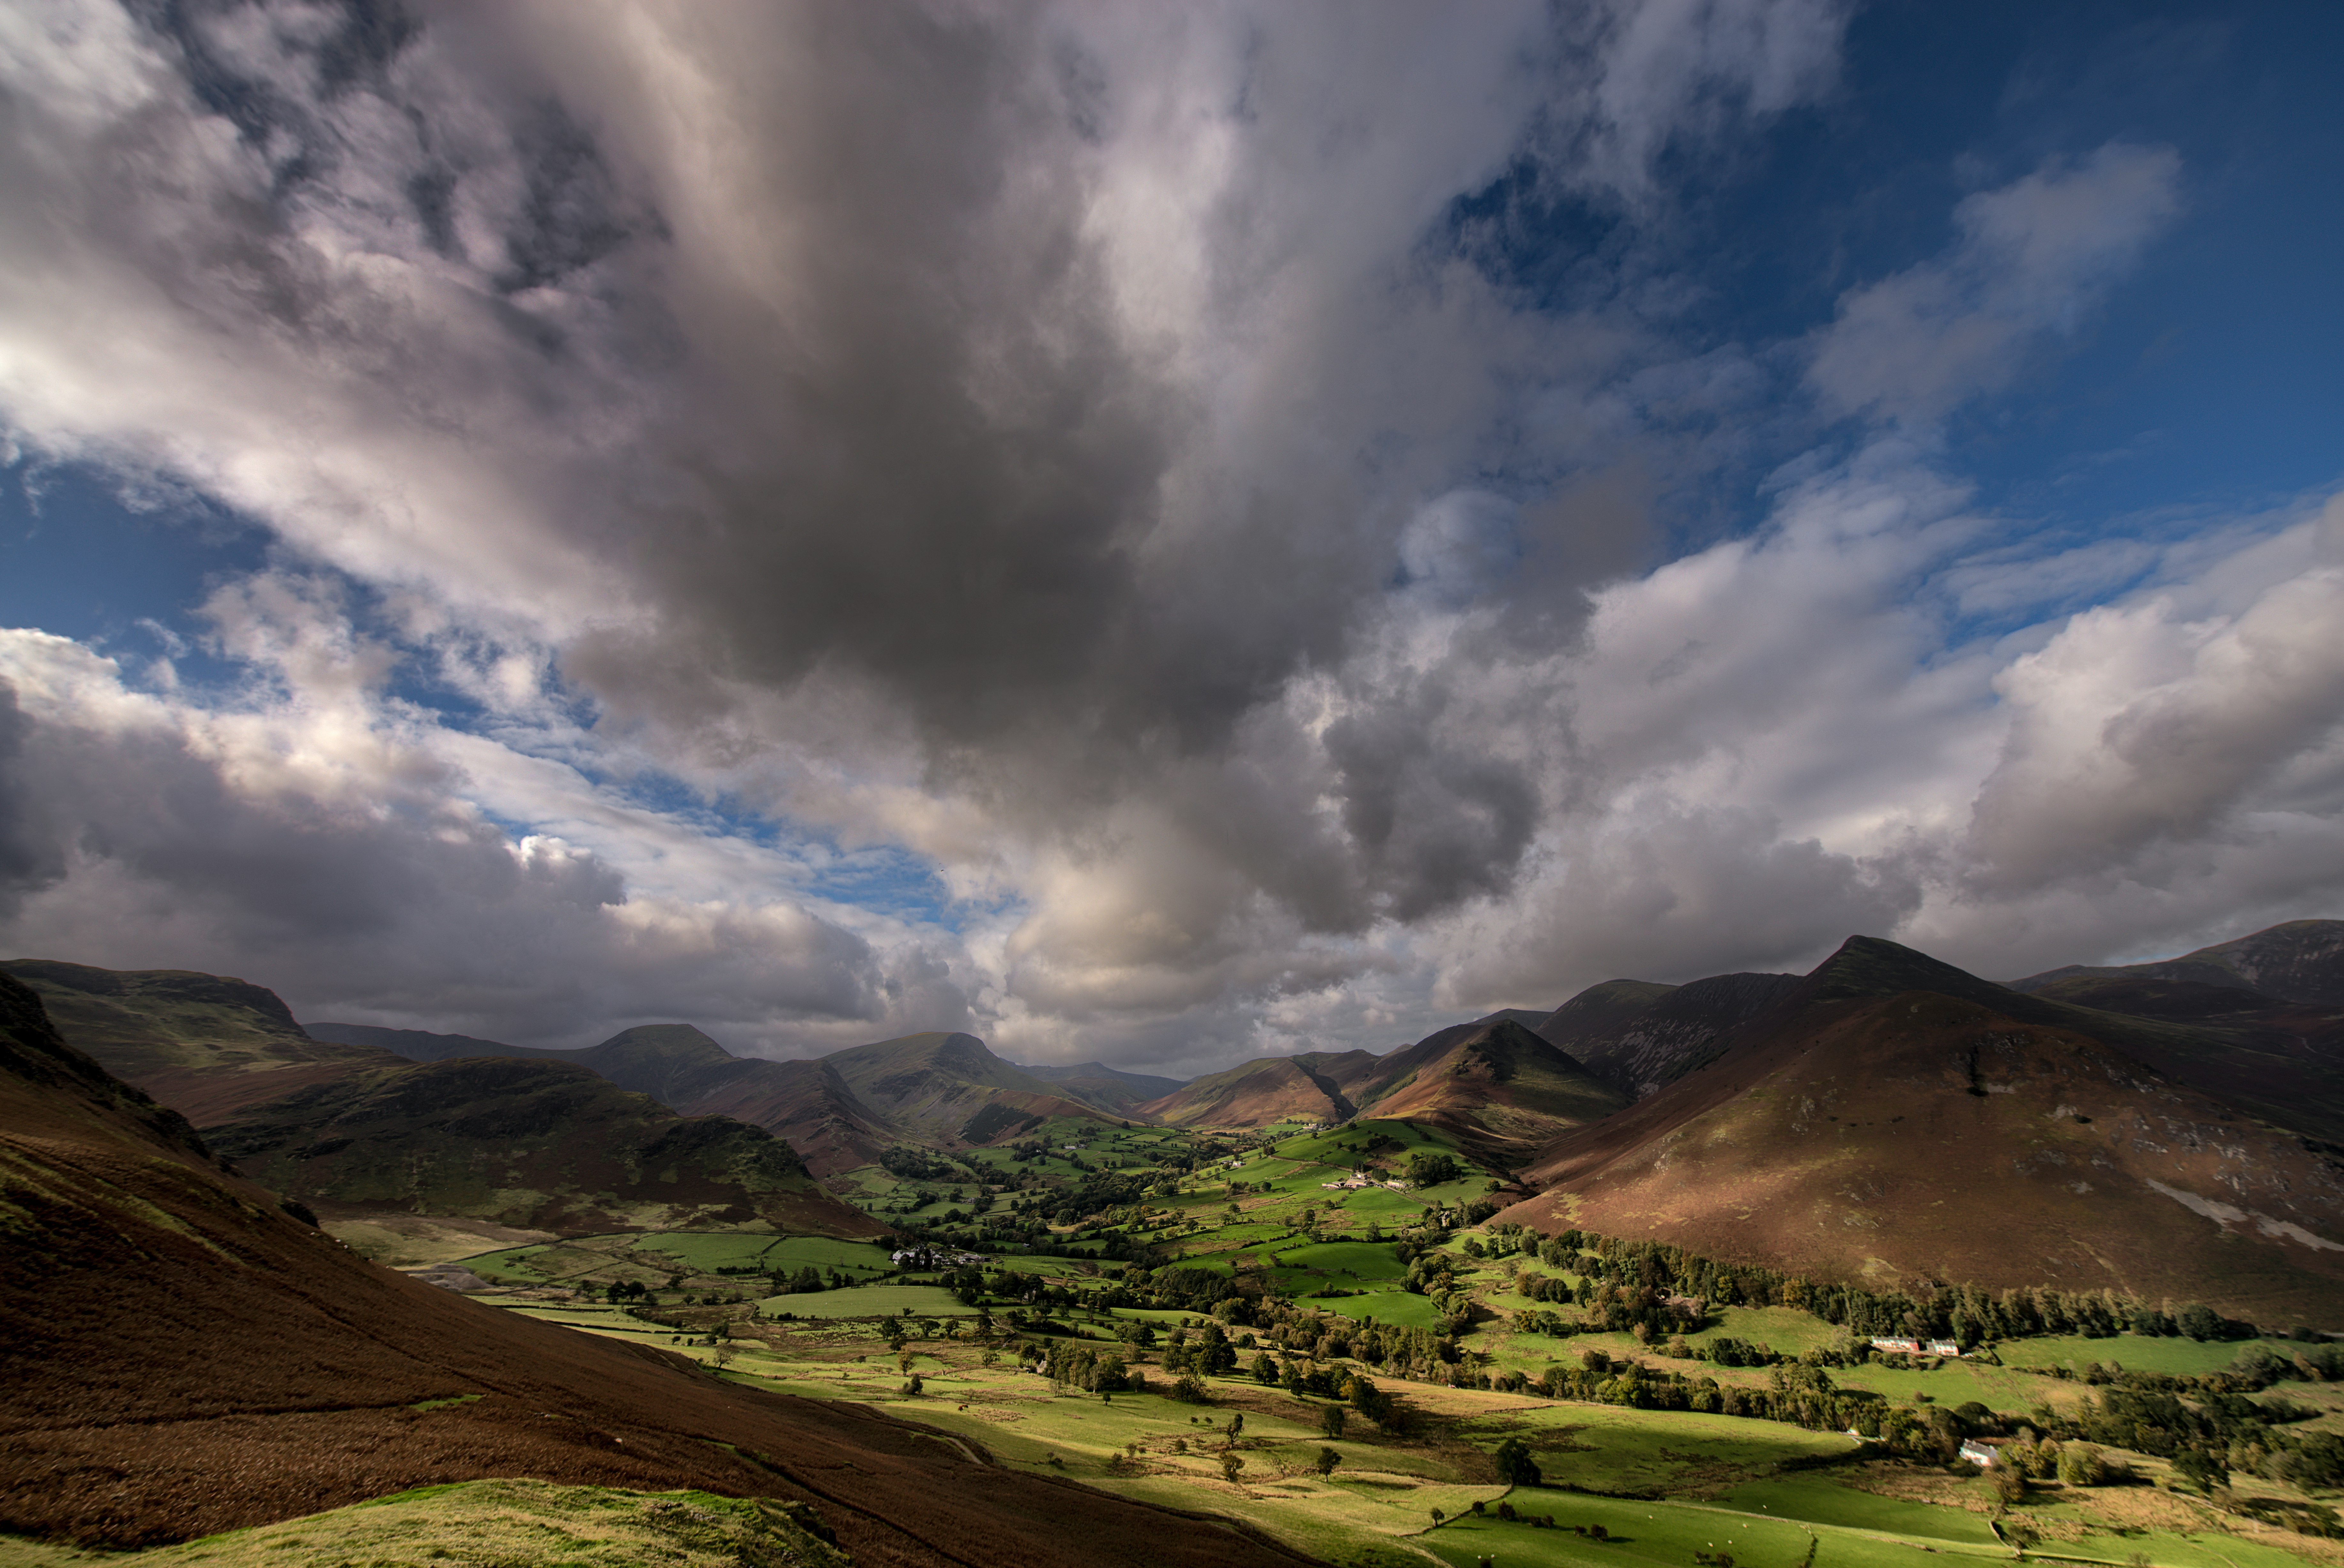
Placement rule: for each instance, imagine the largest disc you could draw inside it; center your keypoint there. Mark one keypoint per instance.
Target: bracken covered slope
(1874, 1127)
(183, 1358)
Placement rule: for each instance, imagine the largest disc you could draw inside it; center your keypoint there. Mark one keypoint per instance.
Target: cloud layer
(830, 520)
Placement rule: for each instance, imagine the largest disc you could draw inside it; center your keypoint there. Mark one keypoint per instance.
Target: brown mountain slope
(1499, 1090)
(1852, 1134)
(1267, 1089)
(205, 1045)
(271, 1375)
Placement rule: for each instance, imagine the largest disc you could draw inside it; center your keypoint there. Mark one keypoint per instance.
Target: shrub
(1515, 1465)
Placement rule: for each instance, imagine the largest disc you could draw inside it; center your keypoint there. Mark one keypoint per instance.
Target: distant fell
(421, 1045)
(1498, 1088)
(2298, 961)
(202, 1044)
(540, 1146)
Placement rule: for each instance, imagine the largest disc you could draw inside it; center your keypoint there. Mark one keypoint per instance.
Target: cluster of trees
(907, 1163)
(2208, 1426)
(1080, 1366)
(1428, 1168)
(1965, 1313)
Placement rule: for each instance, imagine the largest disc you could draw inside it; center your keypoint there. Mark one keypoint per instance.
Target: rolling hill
(1895, 1119)
(183, 1359)
(2298, 961)
(540, 1146)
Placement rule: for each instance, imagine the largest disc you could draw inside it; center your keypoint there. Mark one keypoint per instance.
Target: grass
(869, 1301)
(496, 1525)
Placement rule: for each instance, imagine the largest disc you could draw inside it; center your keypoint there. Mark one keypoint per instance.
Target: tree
(2009, 1481)
(2201, 1469)
(1331, 1422)
(1326, 1461)
(1515, 1465)
(1425, 1169)
(2079, 1465)
(1265, 1370)
(1232, 1462)
(723, 1356)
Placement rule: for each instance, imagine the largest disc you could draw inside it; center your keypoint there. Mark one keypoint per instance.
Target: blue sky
(1158, 536)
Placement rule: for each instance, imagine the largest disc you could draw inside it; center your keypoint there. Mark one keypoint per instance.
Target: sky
(1154, 533)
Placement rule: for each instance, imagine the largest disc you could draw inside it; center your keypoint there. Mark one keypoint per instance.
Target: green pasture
(2136, 1352)
(1816, 1501)
(867, 1301)
(1399, 1307)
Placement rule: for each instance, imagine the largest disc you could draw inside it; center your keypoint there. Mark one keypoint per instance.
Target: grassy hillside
(204, 1043)
(518, 1524)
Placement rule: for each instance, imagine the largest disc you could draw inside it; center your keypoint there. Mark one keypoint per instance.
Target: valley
(1746, 1273)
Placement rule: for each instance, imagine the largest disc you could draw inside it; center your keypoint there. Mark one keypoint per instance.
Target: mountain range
(352, 1129)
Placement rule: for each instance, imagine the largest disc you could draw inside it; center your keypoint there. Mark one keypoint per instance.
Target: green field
(868, 1302)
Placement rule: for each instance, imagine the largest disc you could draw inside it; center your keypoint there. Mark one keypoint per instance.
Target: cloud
(330, 849)
(1070, 450)
(2032, 256)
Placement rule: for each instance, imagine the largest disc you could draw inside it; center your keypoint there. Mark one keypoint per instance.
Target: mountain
(1496, 1088)
(183, 1358)
(2298, 961)
(1492, 1084)
(2258, 1020)
(839, 1111)
(1895, 1120)
(948, 1089)
(1109, 1088)
(205, 1045)
(421, 1045)
(1636, 1035)
(1307, 1088)
(540, 1146)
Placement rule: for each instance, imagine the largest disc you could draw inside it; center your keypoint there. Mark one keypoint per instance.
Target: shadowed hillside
(1889, 1122)
(1638, 1036)
(541, 1146)
(272, 1374)
(937, 1089)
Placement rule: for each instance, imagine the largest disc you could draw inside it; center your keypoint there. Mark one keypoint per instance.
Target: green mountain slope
(205, 1045)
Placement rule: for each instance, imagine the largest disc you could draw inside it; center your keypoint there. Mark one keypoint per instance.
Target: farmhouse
(1944, 1348)
(1887, 1342)
(1981, 1454)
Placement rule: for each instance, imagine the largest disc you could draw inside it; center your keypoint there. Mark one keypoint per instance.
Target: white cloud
(2032, 257)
